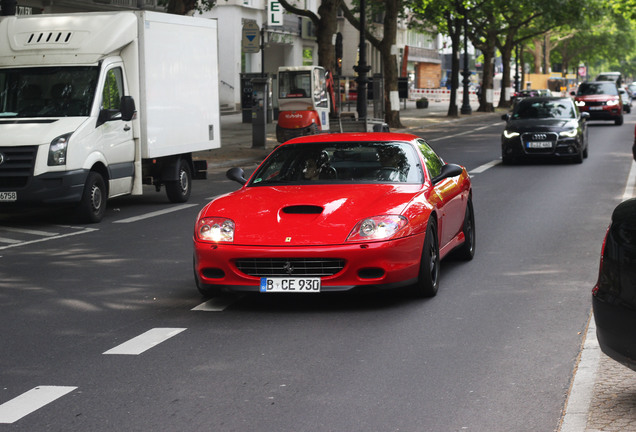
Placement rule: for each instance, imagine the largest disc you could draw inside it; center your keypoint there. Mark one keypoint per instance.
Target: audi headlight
(215, 229)
(569, 133)
(57, 150)
(510, 134)
(377, 228)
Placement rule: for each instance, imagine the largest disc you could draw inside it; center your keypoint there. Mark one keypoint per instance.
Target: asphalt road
(103, 328)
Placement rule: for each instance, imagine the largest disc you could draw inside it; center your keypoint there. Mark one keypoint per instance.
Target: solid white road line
(484, 167)
(145, 341)
(30, 401)
(155, 213)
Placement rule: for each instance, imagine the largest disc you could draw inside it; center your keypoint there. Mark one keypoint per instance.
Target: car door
(115, 136)
(447, 195)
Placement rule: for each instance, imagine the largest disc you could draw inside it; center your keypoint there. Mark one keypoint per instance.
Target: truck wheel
(179, 191)
(92, 207)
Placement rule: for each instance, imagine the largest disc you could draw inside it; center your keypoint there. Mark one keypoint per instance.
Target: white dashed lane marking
(31, 401)
(145, 341)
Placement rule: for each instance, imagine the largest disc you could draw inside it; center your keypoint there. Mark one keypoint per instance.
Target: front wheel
(467, 250)
(179, 191)
(92, 207)
(618, 121)
(428, 278)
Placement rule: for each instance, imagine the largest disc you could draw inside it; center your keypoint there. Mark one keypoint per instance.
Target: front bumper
(607, 113)
(378, 265)
(561, 148)
(64, 187)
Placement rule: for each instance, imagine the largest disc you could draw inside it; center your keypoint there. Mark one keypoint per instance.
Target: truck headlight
(57, 150)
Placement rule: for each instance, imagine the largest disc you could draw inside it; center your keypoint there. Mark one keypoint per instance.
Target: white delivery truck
(95, 105)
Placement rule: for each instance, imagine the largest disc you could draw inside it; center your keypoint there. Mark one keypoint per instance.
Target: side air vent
(303, 209)
(54, 37)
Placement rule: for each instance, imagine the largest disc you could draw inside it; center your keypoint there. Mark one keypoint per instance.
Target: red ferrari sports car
(337, 212)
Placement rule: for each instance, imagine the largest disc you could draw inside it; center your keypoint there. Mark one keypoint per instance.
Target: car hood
(306, 215)
(19, 132)
(541, 125)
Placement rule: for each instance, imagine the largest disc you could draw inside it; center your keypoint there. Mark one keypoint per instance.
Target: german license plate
(539, 144)
(8, 196)
(596, 108)
(299, 285)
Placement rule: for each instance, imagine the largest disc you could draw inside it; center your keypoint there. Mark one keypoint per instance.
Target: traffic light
(339, 53)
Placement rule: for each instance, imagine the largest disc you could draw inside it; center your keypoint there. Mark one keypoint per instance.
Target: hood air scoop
(303, 209)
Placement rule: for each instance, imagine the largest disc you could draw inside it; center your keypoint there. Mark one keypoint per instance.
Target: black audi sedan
(544, 127)
(614, 295)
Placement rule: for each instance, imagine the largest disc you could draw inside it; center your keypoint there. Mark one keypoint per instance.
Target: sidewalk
(602, 396)
(236, 136)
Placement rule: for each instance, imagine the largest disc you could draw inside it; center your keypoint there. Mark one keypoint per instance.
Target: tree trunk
(506, 57)
(389, 62)
(488, 48)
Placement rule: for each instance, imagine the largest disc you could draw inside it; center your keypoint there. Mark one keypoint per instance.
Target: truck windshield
(47, 91)
(294, 84)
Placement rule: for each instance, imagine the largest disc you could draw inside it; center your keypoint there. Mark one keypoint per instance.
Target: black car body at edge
(544, 127)
(614, 295)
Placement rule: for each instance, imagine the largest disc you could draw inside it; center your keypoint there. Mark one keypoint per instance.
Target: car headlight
(377, 228)
(569, 134)
(57, 150)
(612, 102)
(510, 134)
(215, 229)
(580, 103)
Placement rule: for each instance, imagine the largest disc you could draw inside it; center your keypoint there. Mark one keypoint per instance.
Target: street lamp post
(466, 109)
(362, 69)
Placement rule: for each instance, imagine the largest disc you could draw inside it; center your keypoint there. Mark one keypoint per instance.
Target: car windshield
(47, 91)
(544, 108)
(597, 88)
(341, 162)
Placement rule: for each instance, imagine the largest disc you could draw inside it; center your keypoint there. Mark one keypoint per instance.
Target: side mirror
(237, 175)
(448, 170)
(506, 117)
(585, 115)
(127, 108)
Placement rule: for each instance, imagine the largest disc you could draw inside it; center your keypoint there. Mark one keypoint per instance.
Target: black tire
(428, 278)
(179, 191)
(579, 157)
(467, 250)
(92, 207)
(618, 121)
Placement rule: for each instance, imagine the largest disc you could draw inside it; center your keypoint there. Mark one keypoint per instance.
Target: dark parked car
(541, 127)
(614, 295)
(601, 100)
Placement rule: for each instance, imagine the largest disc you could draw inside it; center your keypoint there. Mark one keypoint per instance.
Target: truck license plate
(299, 285)
(8, 196)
